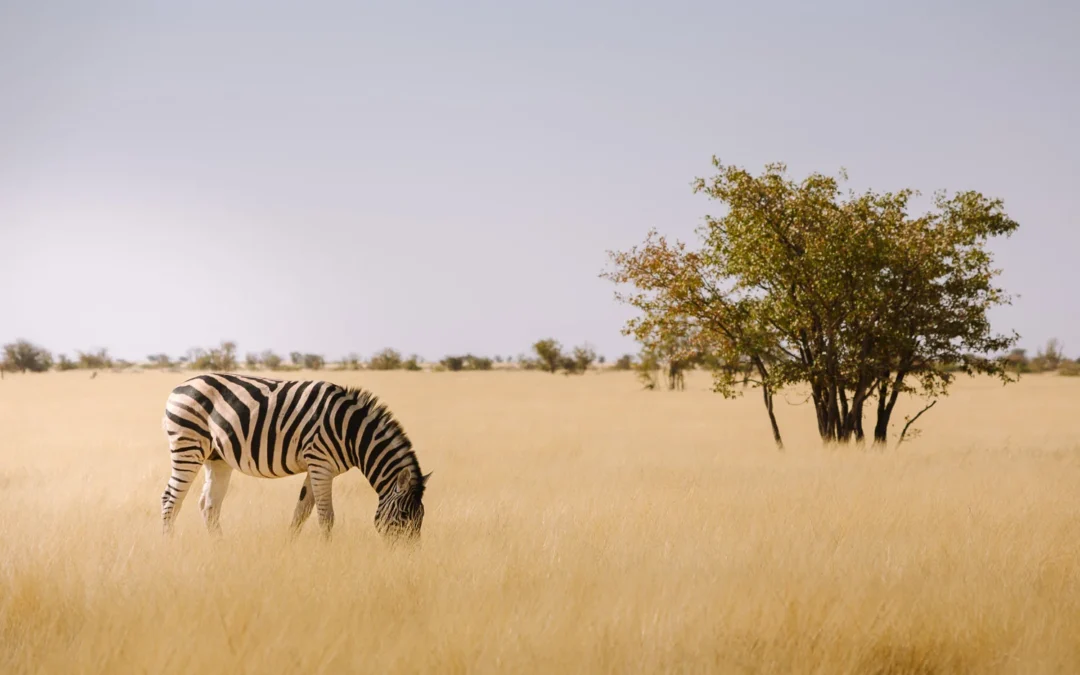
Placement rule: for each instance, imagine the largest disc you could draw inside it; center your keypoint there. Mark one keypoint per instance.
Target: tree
(387, 359)
(850, 295)
(477, 362)
(159, 360)
(647, 367)
(624, 362)
(453, 363)
(1049, 357)
(270, 360)
(63, 363)
(220, 358)
(412, 363)
(251, 361)
(1017, 360)
(95, 359)
(583, 358)
(224, 356)
(23, 355)
(467, 362)
(351, 361)
(549, 352)
(198, 359)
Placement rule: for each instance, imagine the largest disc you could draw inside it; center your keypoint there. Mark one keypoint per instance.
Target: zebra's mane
(377, 409)
(364, 398)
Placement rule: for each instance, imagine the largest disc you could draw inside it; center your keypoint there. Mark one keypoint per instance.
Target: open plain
(574, 524)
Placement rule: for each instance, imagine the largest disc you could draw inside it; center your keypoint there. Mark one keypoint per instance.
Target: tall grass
(573, 525)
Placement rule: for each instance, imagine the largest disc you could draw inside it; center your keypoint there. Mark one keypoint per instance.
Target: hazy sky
(444, 177)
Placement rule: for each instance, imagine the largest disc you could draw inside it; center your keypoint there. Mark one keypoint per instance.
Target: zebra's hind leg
(186, 460)
(214, 488)
(303, 507)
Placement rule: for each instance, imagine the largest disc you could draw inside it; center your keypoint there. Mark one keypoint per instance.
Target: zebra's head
(401, 508)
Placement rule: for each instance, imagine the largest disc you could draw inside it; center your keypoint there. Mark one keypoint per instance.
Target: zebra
(273, 428)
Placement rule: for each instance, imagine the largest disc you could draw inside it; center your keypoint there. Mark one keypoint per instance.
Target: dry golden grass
(573, 525)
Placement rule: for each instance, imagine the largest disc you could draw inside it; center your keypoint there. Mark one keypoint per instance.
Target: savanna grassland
(574, 524)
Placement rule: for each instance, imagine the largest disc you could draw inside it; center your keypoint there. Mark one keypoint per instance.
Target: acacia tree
(850, 295)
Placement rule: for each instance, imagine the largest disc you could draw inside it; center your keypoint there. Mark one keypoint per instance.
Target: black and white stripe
(271, 429)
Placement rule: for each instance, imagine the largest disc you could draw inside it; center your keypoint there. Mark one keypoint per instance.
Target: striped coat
(272, 428)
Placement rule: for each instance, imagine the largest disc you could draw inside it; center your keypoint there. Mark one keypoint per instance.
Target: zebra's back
(259, 426)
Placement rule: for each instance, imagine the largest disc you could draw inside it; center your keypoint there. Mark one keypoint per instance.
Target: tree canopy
(23, 355)
(800, 283)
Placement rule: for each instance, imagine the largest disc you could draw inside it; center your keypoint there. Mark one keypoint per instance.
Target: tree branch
(912, 421)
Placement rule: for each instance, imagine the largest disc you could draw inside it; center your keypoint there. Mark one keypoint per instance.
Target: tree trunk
(767, 393)
(846, 427)
(885, 407)
(772, 417)
(857, 411)
(820, 409)
(834, 413)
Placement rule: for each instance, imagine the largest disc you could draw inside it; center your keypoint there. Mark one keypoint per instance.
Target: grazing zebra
(271, 429)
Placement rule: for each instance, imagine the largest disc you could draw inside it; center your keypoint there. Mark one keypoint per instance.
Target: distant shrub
(567, 364)
(220, 358)
(1048, 358)
(387, 359)
(467, 362)
(624, 362)
(93, 360)
(224, 357)
(583, 357)
(23, 355)
(477, 362)
(305, 361)
(1018, 362)
(351, 362)
(1069, 368)
(412, 363)
(63, 363)
(159, 361)
(270, 360)
(647, 368)
(251, 361)
(453, 363)
(549, 353)
(199, 359)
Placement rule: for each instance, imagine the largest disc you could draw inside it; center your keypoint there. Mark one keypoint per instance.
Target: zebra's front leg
(321, 484)
(303, 507)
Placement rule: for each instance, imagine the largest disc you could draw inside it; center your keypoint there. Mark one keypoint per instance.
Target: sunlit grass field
(574, 524)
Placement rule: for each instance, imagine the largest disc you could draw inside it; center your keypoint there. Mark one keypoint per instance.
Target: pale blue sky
(446, 177)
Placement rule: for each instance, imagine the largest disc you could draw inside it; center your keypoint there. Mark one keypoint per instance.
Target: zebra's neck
(377, 445)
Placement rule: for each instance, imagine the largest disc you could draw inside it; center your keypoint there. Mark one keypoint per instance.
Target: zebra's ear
(402, 481)
(423, 479)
